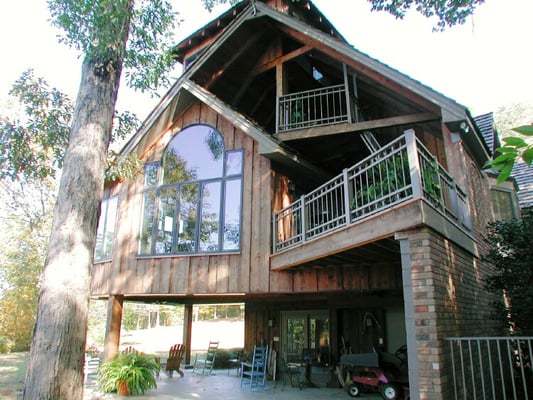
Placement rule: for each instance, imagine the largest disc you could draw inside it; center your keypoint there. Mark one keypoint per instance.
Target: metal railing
(316, 107)
(403, 169)
(492, 367)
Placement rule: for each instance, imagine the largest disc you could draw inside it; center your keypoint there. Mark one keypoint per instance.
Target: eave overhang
(184, 92)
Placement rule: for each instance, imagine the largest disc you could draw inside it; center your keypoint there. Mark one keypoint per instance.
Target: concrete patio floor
(224, 385)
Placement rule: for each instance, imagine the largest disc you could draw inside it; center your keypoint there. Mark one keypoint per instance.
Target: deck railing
(403, 169)
(324, 106)
(492, 367)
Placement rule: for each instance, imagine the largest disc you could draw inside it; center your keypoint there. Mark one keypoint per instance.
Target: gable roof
(223, 28)
(523, 175)
(485, 123)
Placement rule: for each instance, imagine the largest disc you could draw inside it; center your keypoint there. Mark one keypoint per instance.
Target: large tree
(100, 29)
(112, 35)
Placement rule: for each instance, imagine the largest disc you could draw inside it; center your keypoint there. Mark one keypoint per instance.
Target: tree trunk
(55, 368)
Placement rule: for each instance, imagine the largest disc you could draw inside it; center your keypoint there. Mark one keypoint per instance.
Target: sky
(484, 64)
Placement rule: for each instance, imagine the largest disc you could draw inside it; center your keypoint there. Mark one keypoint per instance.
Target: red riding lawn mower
(383, 372)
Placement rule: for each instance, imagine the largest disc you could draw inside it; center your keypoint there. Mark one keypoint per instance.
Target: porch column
(113, 324)
(409, 306)
(187, 332)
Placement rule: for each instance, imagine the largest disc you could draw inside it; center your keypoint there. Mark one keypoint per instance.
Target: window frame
(104, 217)
(156, 188)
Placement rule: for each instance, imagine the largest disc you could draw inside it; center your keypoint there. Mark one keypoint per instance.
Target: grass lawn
(12, 372)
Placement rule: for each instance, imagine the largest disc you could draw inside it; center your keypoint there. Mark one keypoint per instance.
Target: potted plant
(128, 374)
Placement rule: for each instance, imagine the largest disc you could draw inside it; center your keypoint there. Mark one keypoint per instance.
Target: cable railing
(399, 171)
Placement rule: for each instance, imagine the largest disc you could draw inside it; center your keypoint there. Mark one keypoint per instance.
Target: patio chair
(292, 372)
(235, 362)
(255, 372)
(204, 365)
(175, 357)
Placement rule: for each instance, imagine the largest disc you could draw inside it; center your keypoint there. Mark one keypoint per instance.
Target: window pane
(182, 164)
(502, 203)
(111, 218)
(150, 174)
(234, 163)
(145, 246)
(165, 227)
(98, 249)
(232, 215)
(187, 218)
(210, 217)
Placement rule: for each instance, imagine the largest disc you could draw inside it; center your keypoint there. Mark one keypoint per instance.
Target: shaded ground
(12, 372)
(153, 341)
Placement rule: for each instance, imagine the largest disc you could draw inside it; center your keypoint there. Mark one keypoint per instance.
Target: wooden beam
(355, 127)
(280, 60)
(250, 42)
(359, 67)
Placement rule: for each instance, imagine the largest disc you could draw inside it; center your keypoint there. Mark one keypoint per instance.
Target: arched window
(192, 199)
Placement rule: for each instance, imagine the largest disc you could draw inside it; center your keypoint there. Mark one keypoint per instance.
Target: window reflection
(197, 208)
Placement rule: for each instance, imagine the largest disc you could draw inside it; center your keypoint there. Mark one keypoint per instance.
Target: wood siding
(246, 272)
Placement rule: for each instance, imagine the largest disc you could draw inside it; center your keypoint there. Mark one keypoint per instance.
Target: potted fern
(128, 374)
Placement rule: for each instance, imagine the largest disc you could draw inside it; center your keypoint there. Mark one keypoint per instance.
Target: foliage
(25, 223)
(224, 358)
(136, 369)
(515, 148)
(144, 316)
(381, 183)
(448, 13)
(90, 27)
(33, 146)
(511, 254)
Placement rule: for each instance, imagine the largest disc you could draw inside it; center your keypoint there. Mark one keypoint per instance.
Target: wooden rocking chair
(175, 357)
(204, 365)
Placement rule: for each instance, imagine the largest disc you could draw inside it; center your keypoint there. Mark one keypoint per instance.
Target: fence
(492, 367)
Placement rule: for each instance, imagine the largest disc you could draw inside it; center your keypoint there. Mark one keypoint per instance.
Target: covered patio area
(222, 384)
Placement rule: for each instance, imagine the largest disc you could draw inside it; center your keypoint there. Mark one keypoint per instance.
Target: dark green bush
(222, 360)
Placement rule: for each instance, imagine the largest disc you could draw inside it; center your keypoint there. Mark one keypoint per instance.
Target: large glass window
(192, 199)
(105, 235)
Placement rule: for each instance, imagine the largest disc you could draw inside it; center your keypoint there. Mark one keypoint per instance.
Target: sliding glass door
(305, 334)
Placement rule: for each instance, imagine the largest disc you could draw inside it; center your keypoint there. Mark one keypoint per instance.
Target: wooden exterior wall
(244, 272)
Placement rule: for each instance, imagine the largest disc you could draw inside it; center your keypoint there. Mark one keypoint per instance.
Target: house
(512, 195)
(343, 202)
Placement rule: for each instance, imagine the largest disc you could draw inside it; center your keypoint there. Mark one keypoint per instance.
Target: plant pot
(122, 388)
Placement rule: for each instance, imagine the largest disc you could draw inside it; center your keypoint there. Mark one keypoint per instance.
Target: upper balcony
(401, 172)
(318, 107)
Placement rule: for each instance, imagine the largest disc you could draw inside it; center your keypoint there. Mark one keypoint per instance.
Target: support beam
(281, 59)
(337, 129)
(113, 324)
(187, 332)
(410, 318)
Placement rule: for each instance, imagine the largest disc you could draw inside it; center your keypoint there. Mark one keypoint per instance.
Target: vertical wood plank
(243, 279)
(223, 272)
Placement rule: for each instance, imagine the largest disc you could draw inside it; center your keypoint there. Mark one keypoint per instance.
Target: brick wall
(449, 300)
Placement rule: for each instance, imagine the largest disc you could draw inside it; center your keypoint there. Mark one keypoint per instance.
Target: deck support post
(115, 305)
(410, 317)
(187, 332)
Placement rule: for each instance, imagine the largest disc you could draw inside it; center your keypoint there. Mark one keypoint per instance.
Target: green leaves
(511, 254)
(448, 13)
(33, 145)
(515, 148)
